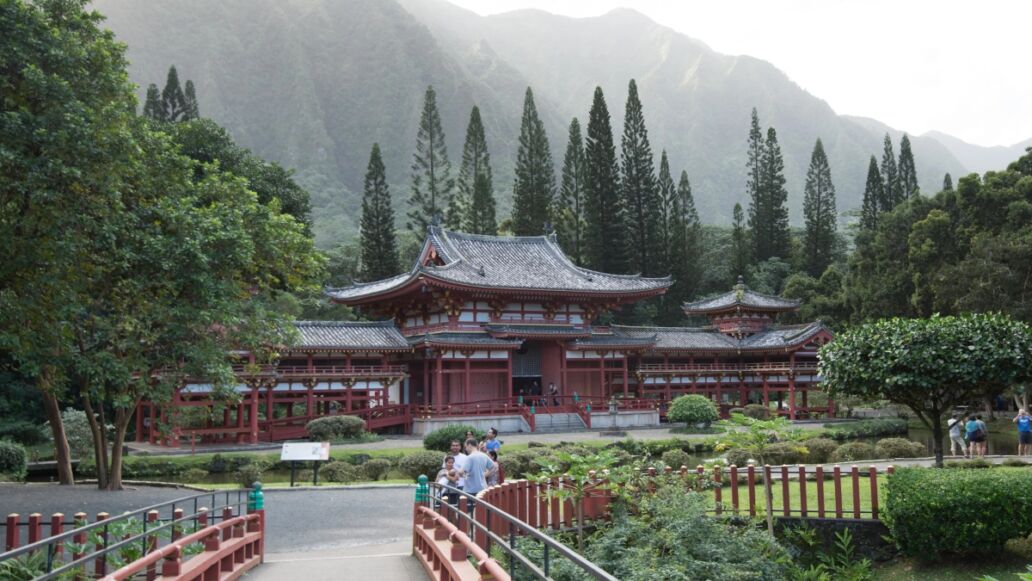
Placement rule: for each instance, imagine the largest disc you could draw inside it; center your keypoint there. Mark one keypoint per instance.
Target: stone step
(558, 423)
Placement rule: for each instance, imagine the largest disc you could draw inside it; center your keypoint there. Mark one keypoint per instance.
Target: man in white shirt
(460, 461)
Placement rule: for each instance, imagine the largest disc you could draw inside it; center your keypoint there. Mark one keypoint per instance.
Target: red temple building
(480, 329)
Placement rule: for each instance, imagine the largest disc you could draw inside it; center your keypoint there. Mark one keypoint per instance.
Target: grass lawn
(794, 497)
(1002, 567)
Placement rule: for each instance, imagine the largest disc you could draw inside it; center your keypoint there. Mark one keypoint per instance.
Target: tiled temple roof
(357, 335)
(740, 296)
(463, 339)
(699, 339)
(533, 263)
(532, 330)
(614, 341)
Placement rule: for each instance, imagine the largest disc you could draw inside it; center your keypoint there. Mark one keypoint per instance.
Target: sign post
(302, 451)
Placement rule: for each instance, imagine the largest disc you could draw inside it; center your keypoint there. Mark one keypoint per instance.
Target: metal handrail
(148, 532)
(516, 525)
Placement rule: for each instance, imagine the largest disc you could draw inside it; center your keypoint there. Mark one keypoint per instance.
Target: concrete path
(384, 562)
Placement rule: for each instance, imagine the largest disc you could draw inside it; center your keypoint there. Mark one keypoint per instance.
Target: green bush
(818, 450)
(867, 428)
(333, 428)
(376, 468)
(338, 471)
(1015, 463)
(675, 459)
(930, 512)
(23, 432)
(194, 475)
(739, 457)
(974, 463)
(441, 439)
(852, 452)
(693, 409)
(757, 411)
(422, 462)
(1020, 546)
(248, 474)
(13, 460)
(899, 448)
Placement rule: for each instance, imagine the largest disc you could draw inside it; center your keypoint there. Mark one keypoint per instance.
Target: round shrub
(194, 475)
(248, 474)
(852, 452)
(693, 409)
(333, 428)
(376, 468)
(441, 439)
(675, 458)
(757, 411)
(1015, 463)
(818, 450)
(13, 461)
(422, 462)
(739, 457)
(337, 471)
(780, 453)
(899, 448)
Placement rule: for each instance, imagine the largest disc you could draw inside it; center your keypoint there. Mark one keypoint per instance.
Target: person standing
(460, 462)
(476, 467)
(495, 476)
(1024, 422)
(983, 431)
(956, 437)
(492, 443)
(553, 392)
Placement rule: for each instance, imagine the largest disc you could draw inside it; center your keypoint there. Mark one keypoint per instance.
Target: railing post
(873, 476)
(734, 488)
(177, 529)
(256, 505)
(819, 470)
(717, 493)
(802, 490)
(171, 566)
(151, 544)
(11, 542)
(35, 527)
(56, 528)
(100, 564)
(79, 540)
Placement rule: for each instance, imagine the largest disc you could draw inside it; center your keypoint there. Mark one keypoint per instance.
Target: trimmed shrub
(248, 474)
(23, 432)
(376, 469)
(337, 471)
(930, 512)
(852, 452)
(194, 475)
(693, 409)
(422, 462)
(818, 450)
(441, 440)
(899, 448)
(757, 411)
(1020, 546)
(675, 459)
(1015, 463)
(974, 463)
(333, 428)
(867, 428)
(13, 461)
(739, 457)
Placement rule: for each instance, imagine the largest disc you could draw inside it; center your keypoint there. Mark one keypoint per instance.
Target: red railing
(650, 368)
(444, 550)
(322, 370)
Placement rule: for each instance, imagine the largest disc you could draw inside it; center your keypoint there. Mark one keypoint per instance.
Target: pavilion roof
(557, 330)
(708, 339)
(458, 339)
(743, 297)
(518, 263)
(350, 335)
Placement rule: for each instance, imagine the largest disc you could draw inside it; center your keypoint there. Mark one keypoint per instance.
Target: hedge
(375, 468)
(852, 452)
(963, 512)
(900, 448)
(867, 428)
(23, 432)
(441, 439)
(333, 428)
(693, 409)
(819, 450)
(422, 462)
(13, 461)
(338, 471)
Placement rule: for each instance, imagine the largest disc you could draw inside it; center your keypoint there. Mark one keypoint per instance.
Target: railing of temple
(451, 525)
(538, 404)
(215, 539)
(717, 367)
(322, 370)
(381, 416)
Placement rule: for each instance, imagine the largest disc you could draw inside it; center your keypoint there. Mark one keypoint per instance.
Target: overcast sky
(960, 67)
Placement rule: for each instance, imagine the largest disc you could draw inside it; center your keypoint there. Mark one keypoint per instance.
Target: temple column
(139, 422)
(766, 391)
(602, 374)
(426, 382)
(508, 372)
(439, 382)
(467, 382)
(791, 387)
(254, 415)
(152, 430)
(625, 383)
(311, 363)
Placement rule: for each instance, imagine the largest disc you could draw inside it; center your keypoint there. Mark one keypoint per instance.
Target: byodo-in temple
(499, 331)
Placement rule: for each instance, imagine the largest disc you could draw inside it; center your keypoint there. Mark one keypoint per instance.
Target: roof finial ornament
(741, 280)
(437, 219)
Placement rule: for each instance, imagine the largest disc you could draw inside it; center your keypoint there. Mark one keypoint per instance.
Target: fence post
(802, 490)
(873, 475)
(12, 532)
(784, 491)
(152, 544)
(56, 528)
(751, 474)
(79, 540)
(35, 527)
(100, 564)
(837, 481)
(856, 491)
(733, 477)
(820, 491)
(717, 498)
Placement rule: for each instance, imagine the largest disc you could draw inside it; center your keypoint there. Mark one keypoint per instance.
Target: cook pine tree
(777, 240)
(431, 173)
(468, 211)
(892, 192)
(640, 191)
(668, 209)
(569, 209)
(758, 221)
(378, 242)
(605, 230)
(907, 170)
(534, 185)
(741, 250)
(873, 195)
(685, 233)
(819, 213)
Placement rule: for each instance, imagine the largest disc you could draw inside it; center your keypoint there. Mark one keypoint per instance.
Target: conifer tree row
(819, 213)
(640, 191)
(907, 170)
(685, 253)
(873, 195)
(741, 253)
(947, 182)
(173, 103)
(777, 242)
(379, 247)
(892, 193)
(534, 185)
(471, 210)
(569, 211)
(431, 181)
(669, 207)
(605, 230)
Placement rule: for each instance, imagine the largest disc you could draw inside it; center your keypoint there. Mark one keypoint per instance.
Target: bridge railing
(451, 525)
(219, 533)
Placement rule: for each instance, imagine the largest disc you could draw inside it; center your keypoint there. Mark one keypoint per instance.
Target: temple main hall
(503, 331)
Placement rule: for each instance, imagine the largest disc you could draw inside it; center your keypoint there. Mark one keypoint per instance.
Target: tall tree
(947, 182)
(741, 253)
(819, 213)
(482, 218)
(605, 233)
(569, 211)
(669, 207)
(379, 247)
(907, 170)
(777, 240)
(475, 161)
(152, 108)
(640, 190)
(173, 101)
(759, 204)
(431, 184)
(534, 187)
(892, 192)
(684, 247)
(191, 110)
(873, 195)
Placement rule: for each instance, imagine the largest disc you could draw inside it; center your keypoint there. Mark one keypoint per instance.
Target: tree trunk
(580, 525)
(99, 441)
(937, 438)
(52, 409)
(768, 492)
(121, 425)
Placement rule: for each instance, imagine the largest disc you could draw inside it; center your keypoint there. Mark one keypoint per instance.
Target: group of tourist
(970, 435)
(471, 465)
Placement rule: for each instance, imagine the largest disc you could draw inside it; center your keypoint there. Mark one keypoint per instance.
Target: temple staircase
(558, 422)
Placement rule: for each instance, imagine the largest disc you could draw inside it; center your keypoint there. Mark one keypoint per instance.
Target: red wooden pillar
(253, 415)
(791, 387)
(467, 382)
(626, 386)
(602, 373)
(439, 380)
(766, 389)
(139, 422)
(152, 432)
(563, 388)
(310, 363)
(426, 381)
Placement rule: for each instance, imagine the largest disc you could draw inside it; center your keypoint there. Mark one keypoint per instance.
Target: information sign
(305, 451)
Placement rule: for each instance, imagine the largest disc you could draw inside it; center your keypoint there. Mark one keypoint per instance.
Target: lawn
(794, 497)
(1002, 567)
